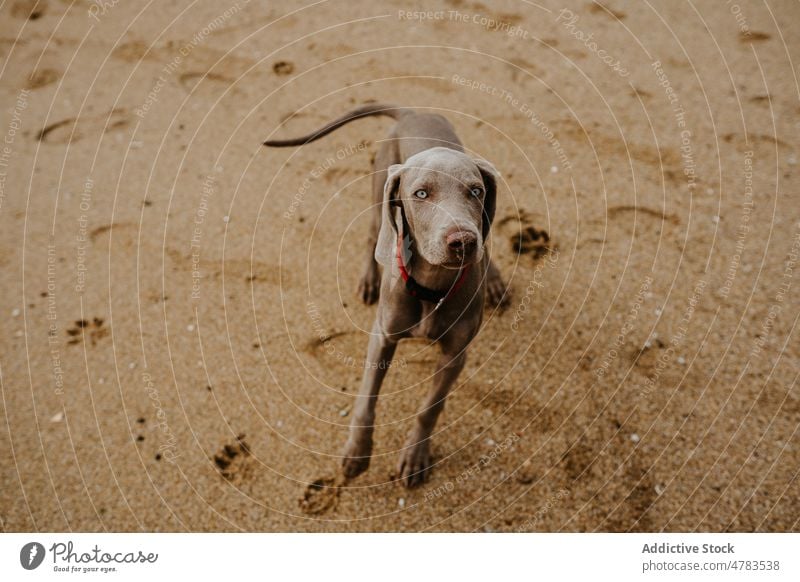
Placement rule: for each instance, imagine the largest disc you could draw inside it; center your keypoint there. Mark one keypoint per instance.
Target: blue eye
(476, 192)
(421, 194)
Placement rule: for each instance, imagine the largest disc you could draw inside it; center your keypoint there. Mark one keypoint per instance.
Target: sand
(182, 336)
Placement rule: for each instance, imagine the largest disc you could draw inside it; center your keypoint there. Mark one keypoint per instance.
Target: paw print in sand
(530, 240)
(321, 495)
(526, 239)
(94, 330)
(230, 460)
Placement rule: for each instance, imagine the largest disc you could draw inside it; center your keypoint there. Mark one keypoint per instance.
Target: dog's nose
(461, 240)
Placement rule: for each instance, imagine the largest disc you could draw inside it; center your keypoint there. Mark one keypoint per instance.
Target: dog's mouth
(459, 261)
(451, 257)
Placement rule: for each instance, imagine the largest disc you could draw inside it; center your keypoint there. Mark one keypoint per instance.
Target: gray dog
(434, 206)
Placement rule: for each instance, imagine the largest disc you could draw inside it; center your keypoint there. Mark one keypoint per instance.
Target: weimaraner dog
(434, 206)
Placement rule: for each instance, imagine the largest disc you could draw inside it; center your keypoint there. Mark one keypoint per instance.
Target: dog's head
(448, 200)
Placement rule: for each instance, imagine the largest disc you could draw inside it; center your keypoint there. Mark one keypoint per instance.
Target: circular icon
(31, 555)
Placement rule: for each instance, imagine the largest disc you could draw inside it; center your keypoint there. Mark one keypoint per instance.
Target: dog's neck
(431, 276)
(429, 282)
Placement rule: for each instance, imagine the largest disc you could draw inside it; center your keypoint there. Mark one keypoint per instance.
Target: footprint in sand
(192, 79)
(640, 93)
(28, 9)
(618, 211)
(531, 241)
(598, 8)
(321, 495)
(72, 130)
(199, 59)
(744, 143)
(344, 349)
(132, 51)
(42, 78)
(282, 68)
(749, 36)
(83, 328)
(763, 99)
(524, 237)
(230, 460)
(665, 161)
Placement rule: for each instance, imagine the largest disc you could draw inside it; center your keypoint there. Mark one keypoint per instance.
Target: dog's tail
(363, 111)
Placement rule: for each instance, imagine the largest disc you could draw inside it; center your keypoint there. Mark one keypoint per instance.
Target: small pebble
(635, 437)
(715, 219)
(554, 169)
(226, 219)
(658, 311)
(681, 360)
(490, 442)
(190, 327)
(15, 313)
(57, 417)
(279, 424)
(132, 365)
(401, 503)
(343, 412)
(659, 489)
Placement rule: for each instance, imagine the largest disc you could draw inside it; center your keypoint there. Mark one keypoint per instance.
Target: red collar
(425, 293)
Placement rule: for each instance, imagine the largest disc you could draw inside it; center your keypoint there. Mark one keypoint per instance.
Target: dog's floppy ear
(490, 176)
(386, 247)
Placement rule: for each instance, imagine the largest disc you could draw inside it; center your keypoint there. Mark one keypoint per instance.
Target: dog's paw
(415, 461)
(355, 458)
(369, 287)
(496, 292)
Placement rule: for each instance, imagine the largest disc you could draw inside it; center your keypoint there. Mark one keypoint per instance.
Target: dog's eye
(476, 192)
(421, 194)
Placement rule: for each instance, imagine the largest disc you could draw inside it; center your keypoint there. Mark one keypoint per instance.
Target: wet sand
(183, 338)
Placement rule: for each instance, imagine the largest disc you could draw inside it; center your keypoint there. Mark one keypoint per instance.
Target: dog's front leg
(415, 458)
(358, 449)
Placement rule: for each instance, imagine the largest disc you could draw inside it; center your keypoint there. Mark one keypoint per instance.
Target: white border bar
(404, 557)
